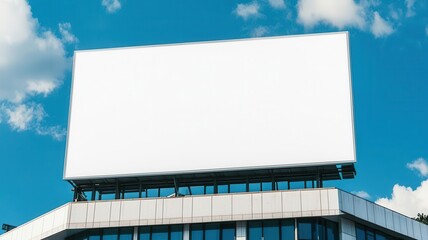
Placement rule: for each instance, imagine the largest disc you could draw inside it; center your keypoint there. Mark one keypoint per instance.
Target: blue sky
(389, 61)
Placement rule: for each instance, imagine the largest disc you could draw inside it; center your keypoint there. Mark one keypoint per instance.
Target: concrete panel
(403, 224)
(396, 219)
(78, 215)
(201, 207)
(256, 199)
(347, 203)
(291, 204)
(360, 207)
(26, 231)
(61, 217)
(379, 215)
(311, 203)
(102, 214)
(159, 211)
(130, 213)
(410, 227)
(417, 230)
(148, 211)
(221, 205)
(242, 206)
(90, 215)
(36, 227)
(333, 199)
(272, 205)
(389, 219)
(173, 208)
(187, 209)
(370, 212)
(424, 232)
(324, 201)
(115, 213)
(48, 222)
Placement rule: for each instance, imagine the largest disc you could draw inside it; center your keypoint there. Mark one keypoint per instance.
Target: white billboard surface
(213, 106)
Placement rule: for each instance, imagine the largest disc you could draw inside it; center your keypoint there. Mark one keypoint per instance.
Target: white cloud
(419, 165)
(380, 27)
(29, 57)
(56, 132)
(426, 30)
(279, 4)
(407, 201)
(32, 62)
(247, 10)
(259, 31)
(21, 117)
(111, 5)
(66, 35)
(362, 194)
(410, 12)
(339, 14)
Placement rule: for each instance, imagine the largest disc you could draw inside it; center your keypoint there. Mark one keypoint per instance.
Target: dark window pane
(267, 186)
(241, 187)
(154, 192)
(165, 192)
(159, 232)
(287, 229)
(223, 188)
(254, 230)
(126, 233)
(212, 231)
(209, 189)
(304, 229)
(282, 185)
(332, 231)
(228, 231)
(370, 235)
(255, 187)
(271, 230)
(110, 234)
(95, 234)
(197, 190)
(196, 232)
(144, 233)
(380, 236)
(320, 230)
(176, 232)
(361, 234)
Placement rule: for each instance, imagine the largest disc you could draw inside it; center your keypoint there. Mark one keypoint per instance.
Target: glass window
(209, 189)
(144, 233)
(159, 232)
(228, 231)
(153, 192)
(125, 233)
(176, 232)
(255, 230)
(380, 236)
(110, 233)
(165, 192)
(255, 187)
(304, 229)
(271, 230)
(282, 185)
(240, 187)
(332, 231)
(95, 234)
(267, 186)
(212, 231)
(321, 229)
(197, 190)
(197, 232)
(223, 188)
(370, 235)
(287, 229)
(360, 232)
(184, 190)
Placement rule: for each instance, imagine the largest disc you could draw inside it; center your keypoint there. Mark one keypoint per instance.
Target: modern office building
(228, 140)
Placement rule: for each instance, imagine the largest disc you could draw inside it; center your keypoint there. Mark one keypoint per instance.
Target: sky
(389, 62)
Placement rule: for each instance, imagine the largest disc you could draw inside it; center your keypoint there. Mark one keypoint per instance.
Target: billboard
(211, 106)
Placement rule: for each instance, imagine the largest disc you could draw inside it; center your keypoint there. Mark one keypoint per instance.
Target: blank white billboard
(211, 106)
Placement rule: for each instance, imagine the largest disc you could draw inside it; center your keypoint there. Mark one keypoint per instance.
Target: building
(215, 158)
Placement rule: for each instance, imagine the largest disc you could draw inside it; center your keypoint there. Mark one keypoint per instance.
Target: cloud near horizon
(111, 5)
(33, 63)
(404, 199)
